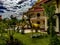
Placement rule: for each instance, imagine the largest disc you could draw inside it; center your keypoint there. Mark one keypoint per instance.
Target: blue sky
(15, 7)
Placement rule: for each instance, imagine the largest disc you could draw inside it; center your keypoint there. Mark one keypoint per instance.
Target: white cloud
(10, 5)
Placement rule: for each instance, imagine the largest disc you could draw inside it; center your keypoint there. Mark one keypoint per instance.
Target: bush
(54, 41)
(13, 41)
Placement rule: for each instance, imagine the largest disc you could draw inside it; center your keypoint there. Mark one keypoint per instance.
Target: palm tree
(49, 11)
(13, 22)
(23, 24)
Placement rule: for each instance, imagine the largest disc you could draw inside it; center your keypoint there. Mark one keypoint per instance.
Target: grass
(27, 40)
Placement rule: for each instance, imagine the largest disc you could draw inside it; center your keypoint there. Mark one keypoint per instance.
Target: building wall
(57, 8)
(57, 18)
(41, 19)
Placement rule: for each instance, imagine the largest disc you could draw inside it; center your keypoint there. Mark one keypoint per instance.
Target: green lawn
(27, 40)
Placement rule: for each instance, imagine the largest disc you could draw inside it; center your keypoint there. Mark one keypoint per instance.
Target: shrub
(13, 41)
(54, 41)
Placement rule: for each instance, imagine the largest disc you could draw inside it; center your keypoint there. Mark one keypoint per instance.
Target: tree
(49, 12)
(13, 22)
(23, 24)
(2, 28)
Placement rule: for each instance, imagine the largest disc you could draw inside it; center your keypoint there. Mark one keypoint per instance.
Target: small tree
(13, 22)
(23, 24)
(2, 28)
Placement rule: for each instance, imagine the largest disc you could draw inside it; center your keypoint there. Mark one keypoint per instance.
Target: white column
(46, 23)
(59, 7)
(57, 24)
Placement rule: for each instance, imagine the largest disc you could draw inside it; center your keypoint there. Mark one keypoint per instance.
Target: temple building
(38, 17)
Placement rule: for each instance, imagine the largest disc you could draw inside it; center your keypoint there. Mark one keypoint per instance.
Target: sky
(15, 7)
